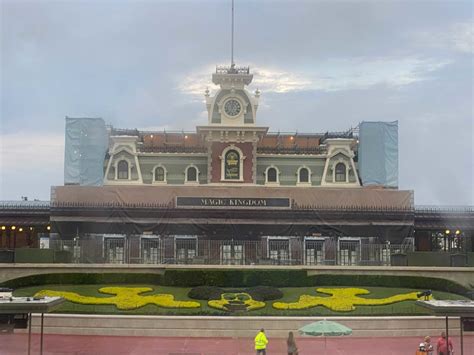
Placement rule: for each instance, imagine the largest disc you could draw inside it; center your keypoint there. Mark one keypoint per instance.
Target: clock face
(232, 107)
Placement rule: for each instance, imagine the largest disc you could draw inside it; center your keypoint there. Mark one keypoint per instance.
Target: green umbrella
(325, 328)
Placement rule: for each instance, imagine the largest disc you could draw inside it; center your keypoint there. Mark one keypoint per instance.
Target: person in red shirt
(443, 344)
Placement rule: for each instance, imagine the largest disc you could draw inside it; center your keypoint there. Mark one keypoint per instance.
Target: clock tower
(231, 134)
(232, 105)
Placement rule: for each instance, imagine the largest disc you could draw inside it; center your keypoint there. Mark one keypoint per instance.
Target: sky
(320, 66)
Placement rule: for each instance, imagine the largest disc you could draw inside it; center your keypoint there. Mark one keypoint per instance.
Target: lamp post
(3, 229)
(447, 233)
(12, 234)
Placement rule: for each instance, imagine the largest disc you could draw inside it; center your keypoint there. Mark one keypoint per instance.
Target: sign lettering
(232, 202)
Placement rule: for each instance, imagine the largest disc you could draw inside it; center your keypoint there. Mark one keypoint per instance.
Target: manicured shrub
(241, 279)
(264, 293)
(206, 293)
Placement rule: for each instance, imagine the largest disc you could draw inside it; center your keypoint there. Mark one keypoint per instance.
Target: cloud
(459, 37)
(30, 162)
(329, 75)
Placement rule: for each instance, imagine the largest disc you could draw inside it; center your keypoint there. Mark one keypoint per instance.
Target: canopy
(325, 328)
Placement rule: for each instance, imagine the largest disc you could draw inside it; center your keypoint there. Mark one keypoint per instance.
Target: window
(159, 174)
(272, 175)
(232, 254)
(304, 175)
(340, 175)
(114, 250)
(191, 174)
(349, 251)
(186, 250)
(150, 250)
(314, 251)
(279, 251)
(232, 165)
(122, 170)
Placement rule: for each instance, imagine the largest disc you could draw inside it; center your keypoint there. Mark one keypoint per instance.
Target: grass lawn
(290, 294)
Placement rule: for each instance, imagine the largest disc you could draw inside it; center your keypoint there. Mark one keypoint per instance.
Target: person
(261, 342)
(444, 346)
(428, 346)
(425, 347)
(291, 344)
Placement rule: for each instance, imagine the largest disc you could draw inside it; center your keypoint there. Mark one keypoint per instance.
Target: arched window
(191, 174)
(272, 175)
(122, 170)
(159, 174)
(232, 165)
(340, 175)
(303, 175)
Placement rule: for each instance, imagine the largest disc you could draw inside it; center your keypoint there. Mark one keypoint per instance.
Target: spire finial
(232, 38)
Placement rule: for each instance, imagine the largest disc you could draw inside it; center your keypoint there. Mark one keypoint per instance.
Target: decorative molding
(241, 163)
(196, 182)
(303, 183)
(129, 166)
(272, 183)
(154, 181)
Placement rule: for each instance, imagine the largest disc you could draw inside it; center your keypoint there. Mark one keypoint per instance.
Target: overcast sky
(321, 65)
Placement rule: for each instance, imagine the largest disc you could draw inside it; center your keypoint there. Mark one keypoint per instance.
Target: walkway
(98, 345)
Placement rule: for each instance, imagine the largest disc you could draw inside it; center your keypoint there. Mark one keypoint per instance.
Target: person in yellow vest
(261, 342)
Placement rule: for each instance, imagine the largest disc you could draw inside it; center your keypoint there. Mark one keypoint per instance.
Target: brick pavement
(15, 344)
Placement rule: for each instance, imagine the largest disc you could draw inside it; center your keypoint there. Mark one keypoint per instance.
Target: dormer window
(122, 170)
(340, 173)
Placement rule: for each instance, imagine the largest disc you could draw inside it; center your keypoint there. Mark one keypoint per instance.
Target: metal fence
(191, 250)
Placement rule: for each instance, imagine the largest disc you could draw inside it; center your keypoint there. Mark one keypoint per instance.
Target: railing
(223, 69)
(171, 149)
(291, 150)
(441, 209)
(190, 250)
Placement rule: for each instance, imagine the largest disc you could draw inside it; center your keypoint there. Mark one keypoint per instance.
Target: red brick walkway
(105, 345)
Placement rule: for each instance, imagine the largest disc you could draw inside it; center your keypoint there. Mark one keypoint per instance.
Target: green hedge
(241, 278)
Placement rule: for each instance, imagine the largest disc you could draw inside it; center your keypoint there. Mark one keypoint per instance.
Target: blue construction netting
(378, 153)
(85, 148)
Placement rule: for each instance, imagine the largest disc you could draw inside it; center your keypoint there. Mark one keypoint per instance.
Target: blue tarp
(85, 149)
(378, 153)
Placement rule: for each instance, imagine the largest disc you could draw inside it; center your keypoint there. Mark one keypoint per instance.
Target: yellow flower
(342, 300)
(125, 298)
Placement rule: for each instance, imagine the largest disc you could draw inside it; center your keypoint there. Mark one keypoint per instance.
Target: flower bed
(343, 300)
(125, 298)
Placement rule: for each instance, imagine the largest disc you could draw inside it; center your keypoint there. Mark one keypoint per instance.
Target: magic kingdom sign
(232, 202)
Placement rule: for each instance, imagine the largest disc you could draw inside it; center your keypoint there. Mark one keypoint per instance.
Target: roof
(21, 204)
(301, 197)
(191, 142)
(463, 308)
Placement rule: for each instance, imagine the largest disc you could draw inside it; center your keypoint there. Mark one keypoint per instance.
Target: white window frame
(278, 238)
(117, 237)
(272, 183)
(129, 162)
(186, 181)
(186, 237)
(241, 163)
(348, 239)
(303, 183)
(315, 239)
(154, 237)
(154, 176)
(346, 164)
